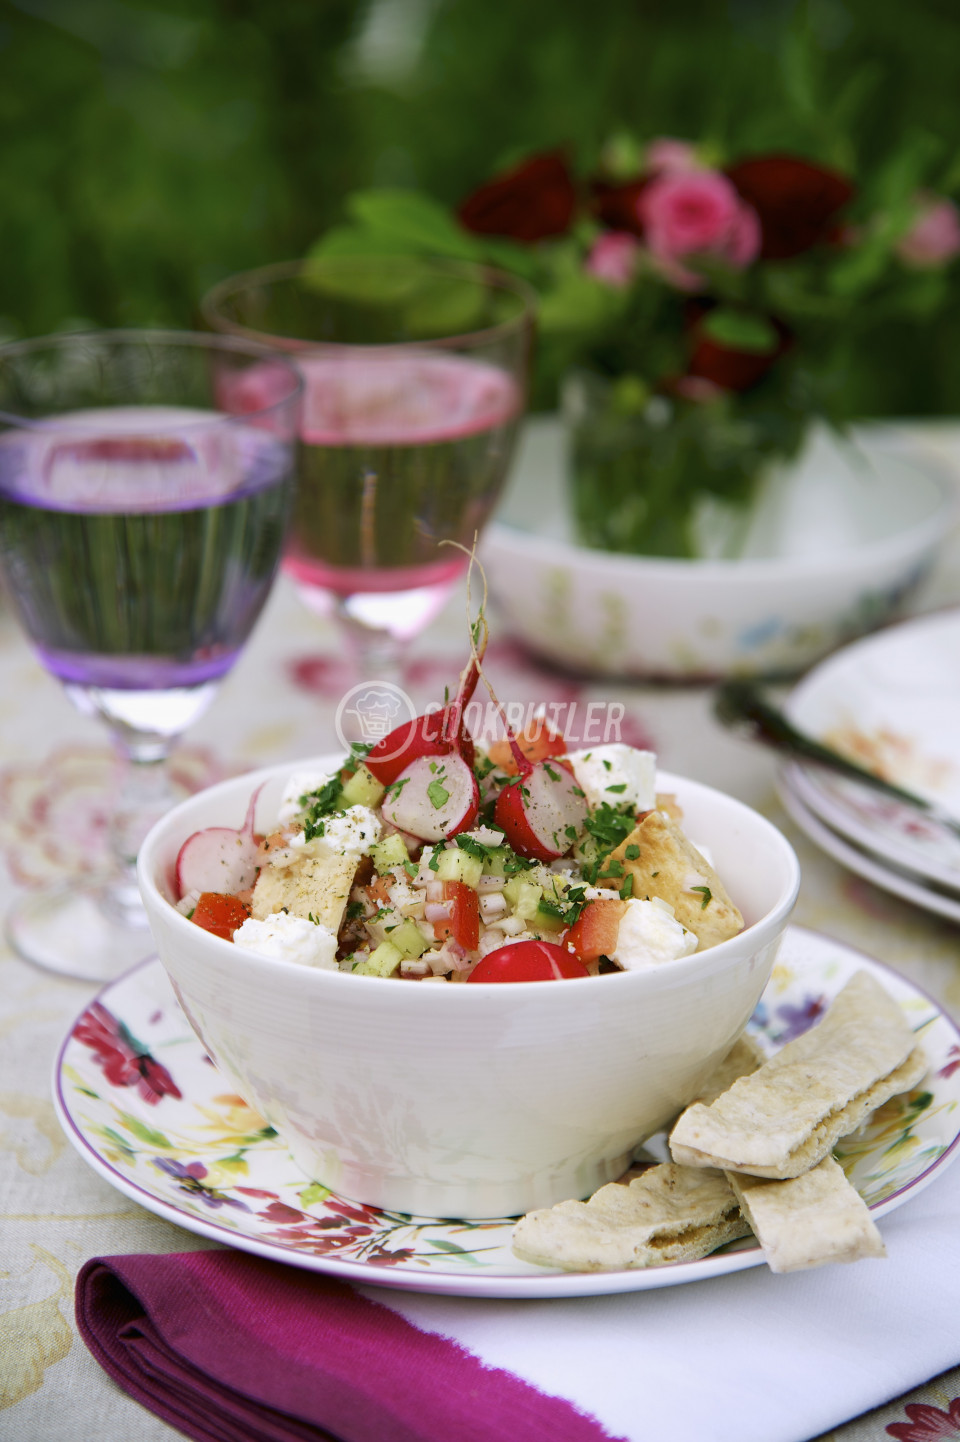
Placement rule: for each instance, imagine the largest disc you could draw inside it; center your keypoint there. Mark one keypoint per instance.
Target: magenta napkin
(228, 1347)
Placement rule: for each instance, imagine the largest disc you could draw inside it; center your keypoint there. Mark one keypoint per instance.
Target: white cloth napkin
(749, 1357)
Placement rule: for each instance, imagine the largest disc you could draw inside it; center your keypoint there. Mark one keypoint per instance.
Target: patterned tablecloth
(279, 704)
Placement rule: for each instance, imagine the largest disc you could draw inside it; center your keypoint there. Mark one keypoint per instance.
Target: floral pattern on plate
(148, 1110)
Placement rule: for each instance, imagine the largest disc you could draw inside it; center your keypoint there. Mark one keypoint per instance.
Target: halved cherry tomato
(528, 961)
(594, 933)
(463, 923)
(219, 914)
(537, 741)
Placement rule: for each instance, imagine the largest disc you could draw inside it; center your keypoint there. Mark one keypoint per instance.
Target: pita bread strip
(825, 1136)
(670, 867)
(808, 1220)
(669, 1214)
(762, 1120)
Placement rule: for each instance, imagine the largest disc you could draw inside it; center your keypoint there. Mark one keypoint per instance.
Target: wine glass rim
(291, 269)
(195, 340)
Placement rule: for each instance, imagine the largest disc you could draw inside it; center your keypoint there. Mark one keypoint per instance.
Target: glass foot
(80, 931)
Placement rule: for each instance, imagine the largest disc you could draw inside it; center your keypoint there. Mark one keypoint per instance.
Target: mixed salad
(427, 858)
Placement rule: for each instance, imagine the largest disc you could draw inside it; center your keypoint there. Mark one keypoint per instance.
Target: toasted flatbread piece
(313, 886)
(744, 1057)
(784, 1118)
(670, 867)
(669, 1214)
(808, 1220)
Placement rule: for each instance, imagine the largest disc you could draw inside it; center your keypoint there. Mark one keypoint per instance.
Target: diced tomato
(537, 741)
(463, 923)
(219, 914)
(528, 961)
(379, 890)
(594, 933)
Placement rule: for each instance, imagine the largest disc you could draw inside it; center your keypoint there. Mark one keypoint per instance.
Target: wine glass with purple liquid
(142, 521)
(415, 373)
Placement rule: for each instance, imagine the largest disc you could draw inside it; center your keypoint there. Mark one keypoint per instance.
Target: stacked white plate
(893, 702)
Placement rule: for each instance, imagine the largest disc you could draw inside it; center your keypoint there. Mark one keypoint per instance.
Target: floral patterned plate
(890, 701)
(146, 1108)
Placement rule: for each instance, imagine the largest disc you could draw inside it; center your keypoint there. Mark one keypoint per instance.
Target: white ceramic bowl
(841, 544)
(469, 1101)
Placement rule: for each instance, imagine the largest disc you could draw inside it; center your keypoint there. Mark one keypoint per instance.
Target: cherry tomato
(463, 923)
(594, 933)
(528, 961)
(219, 914)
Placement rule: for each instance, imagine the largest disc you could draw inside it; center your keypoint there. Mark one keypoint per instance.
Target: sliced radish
(528, 961)
(424, 736)
(220, 858)
(434, 797)
(432, 735)
(543, 811)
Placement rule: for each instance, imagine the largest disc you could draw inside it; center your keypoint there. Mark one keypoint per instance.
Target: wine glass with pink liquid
(141, 526)
(415, 373)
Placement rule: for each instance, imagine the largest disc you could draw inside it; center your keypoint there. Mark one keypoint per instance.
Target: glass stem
(146, 793)
(376, 654)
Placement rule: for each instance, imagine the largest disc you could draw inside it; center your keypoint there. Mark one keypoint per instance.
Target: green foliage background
(148, 149)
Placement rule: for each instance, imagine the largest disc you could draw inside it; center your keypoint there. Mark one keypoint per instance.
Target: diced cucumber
(363, 788)
(408, 939)
(456, 865)
(494, 863)
(392, 851)
(523, 897)
(382, 962)
(547, 920)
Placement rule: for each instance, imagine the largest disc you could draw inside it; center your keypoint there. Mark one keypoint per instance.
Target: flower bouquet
(697, 313)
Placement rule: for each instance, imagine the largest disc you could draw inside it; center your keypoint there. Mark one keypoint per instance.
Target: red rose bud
(735, 351)
(618, 206)
(531, 202)
(797, 202)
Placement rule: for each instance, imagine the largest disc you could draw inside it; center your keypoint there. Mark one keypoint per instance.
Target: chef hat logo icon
(370, 711)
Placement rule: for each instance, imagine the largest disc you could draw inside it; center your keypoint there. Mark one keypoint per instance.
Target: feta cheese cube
(649, 934)
(283, 937)
(617, 774)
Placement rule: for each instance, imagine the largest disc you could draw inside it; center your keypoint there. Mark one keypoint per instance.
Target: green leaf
(313, 1193)
(417, 219)
(741, 330)
(143, 1132)
(579, 303)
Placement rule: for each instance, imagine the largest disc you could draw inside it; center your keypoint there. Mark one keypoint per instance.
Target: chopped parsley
(438, 794)
(632, 852)
(619, 788)
(355, 909)
(411, 868)
(605, 764)
(707, 896)
(626, 886)
(434, 862)
(554, 775)
(396, 787)
(609, 826)
(319, 804)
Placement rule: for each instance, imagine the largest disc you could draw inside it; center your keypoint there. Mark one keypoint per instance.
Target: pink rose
(613, 257)
(697, 212)
(667, 154)
(934, 236)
